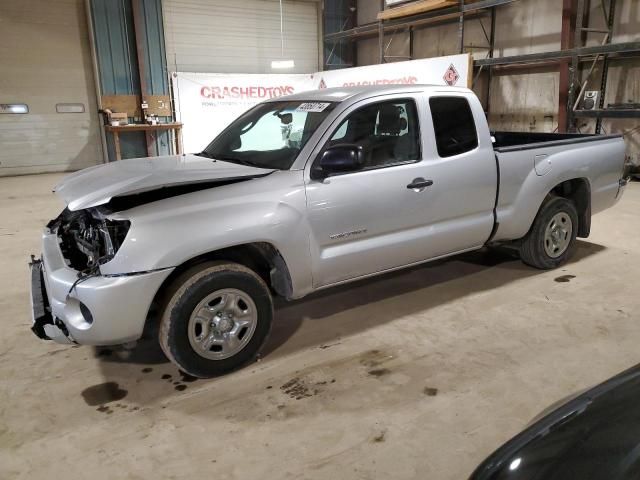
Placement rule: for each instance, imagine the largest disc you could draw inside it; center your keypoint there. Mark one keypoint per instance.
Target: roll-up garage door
(45, 72)
(227, 36)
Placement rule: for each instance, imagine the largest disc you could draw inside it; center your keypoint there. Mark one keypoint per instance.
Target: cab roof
(340, 94)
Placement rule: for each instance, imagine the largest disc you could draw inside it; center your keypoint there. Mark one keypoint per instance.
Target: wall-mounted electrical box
(590, 100)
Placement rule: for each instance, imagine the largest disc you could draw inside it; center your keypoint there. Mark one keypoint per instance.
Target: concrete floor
(418, 374)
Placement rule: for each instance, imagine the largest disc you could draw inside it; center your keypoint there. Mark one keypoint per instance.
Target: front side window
(269, 135)
(387, 131)
(453, 125)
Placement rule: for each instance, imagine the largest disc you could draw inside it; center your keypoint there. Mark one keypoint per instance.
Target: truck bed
(530, 165)
(515, 141)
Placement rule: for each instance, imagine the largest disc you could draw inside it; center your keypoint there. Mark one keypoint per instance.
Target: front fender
(172, 231)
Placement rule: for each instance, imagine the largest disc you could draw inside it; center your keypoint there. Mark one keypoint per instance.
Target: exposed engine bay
(87, 238)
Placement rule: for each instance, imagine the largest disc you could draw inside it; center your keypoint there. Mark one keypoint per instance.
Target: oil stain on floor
(430, 391)
(103, 393)
(564, 278)
(298, 389)
(379, 372)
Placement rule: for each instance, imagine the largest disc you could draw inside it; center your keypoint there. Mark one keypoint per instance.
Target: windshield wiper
(224, 158)
(228, 158)
(249, 163)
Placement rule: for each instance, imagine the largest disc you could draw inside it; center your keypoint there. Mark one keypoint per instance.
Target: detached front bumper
(98, 310)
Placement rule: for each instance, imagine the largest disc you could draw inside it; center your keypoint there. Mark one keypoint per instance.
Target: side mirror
(337, 159)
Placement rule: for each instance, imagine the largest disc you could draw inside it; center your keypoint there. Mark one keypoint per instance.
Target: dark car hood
(592, 437)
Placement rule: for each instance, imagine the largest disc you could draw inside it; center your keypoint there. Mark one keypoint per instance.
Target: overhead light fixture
(14, 108)
(282, 64)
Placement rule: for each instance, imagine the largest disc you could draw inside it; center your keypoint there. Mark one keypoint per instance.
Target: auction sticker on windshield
(312, 107)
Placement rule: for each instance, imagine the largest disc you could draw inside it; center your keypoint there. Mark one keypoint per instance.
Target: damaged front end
(88, 238)
(82, 291)
(73, 299)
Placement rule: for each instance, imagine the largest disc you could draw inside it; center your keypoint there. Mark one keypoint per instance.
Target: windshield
(270, 135)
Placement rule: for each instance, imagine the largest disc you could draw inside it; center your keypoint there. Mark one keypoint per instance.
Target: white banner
(207, 102)
(450, 70)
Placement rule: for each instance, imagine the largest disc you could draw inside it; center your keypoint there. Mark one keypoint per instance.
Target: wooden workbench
(147, 129)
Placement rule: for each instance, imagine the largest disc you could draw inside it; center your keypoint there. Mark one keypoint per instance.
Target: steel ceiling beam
(627, 47)
(608, 113)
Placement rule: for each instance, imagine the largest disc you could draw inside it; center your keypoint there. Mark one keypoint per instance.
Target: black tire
(187, 291)
(532, 247)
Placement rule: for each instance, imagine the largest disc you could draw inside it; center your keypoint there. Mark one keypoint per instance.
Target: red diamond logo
(451, 76)
(322, 84)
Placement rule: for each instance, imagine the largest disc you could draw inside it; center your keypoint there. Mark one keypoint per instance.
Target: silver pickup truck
(298, 194)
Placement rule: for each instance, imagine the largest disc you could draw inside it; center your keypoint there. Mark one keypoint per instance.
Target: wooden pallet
(414, 8)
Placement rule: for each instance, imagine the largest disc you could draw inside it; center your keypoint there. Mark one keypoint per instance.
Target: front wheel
(217, 318)
(552, 238)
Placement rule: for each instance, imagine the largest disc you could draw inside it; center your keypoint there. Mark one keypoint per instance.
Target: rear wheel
(552, 238)
(216, 319)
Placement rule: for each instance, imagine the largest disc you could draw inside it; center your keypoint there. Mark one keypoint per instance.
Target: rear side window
(453, 125)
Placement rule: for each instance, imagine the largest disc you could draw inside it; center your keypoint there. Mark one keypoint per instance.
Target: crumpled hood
(97, 185)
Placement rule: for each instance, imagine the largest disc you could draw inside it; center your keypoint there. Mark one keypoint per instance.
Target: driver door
(427, 188)
(369, 220)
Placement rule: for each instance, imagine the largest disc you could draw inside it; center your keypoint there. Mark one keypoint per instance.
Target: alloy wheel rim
(222, 324)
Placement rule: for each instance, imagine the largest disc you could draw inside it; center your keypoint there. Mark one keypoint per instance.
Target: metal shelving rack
(570, 57)
(456, 14)
(600, 112)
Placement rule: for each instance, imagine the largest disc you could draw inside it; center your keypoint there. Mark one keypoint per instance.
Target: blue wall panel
(156, 76)
(118, 66)
(156, 57)
(116, 46)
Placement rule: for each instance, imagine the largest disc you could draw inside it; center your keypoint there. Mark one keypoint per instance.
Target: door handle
(419, 184)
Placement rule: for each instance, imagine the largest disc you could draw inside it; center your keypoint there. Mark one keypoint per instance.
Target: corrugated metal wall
(117, 61)
(115, 47)
(156, 75)
(240, 37)
(45, 60)
(526, 99)
(155, 60)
